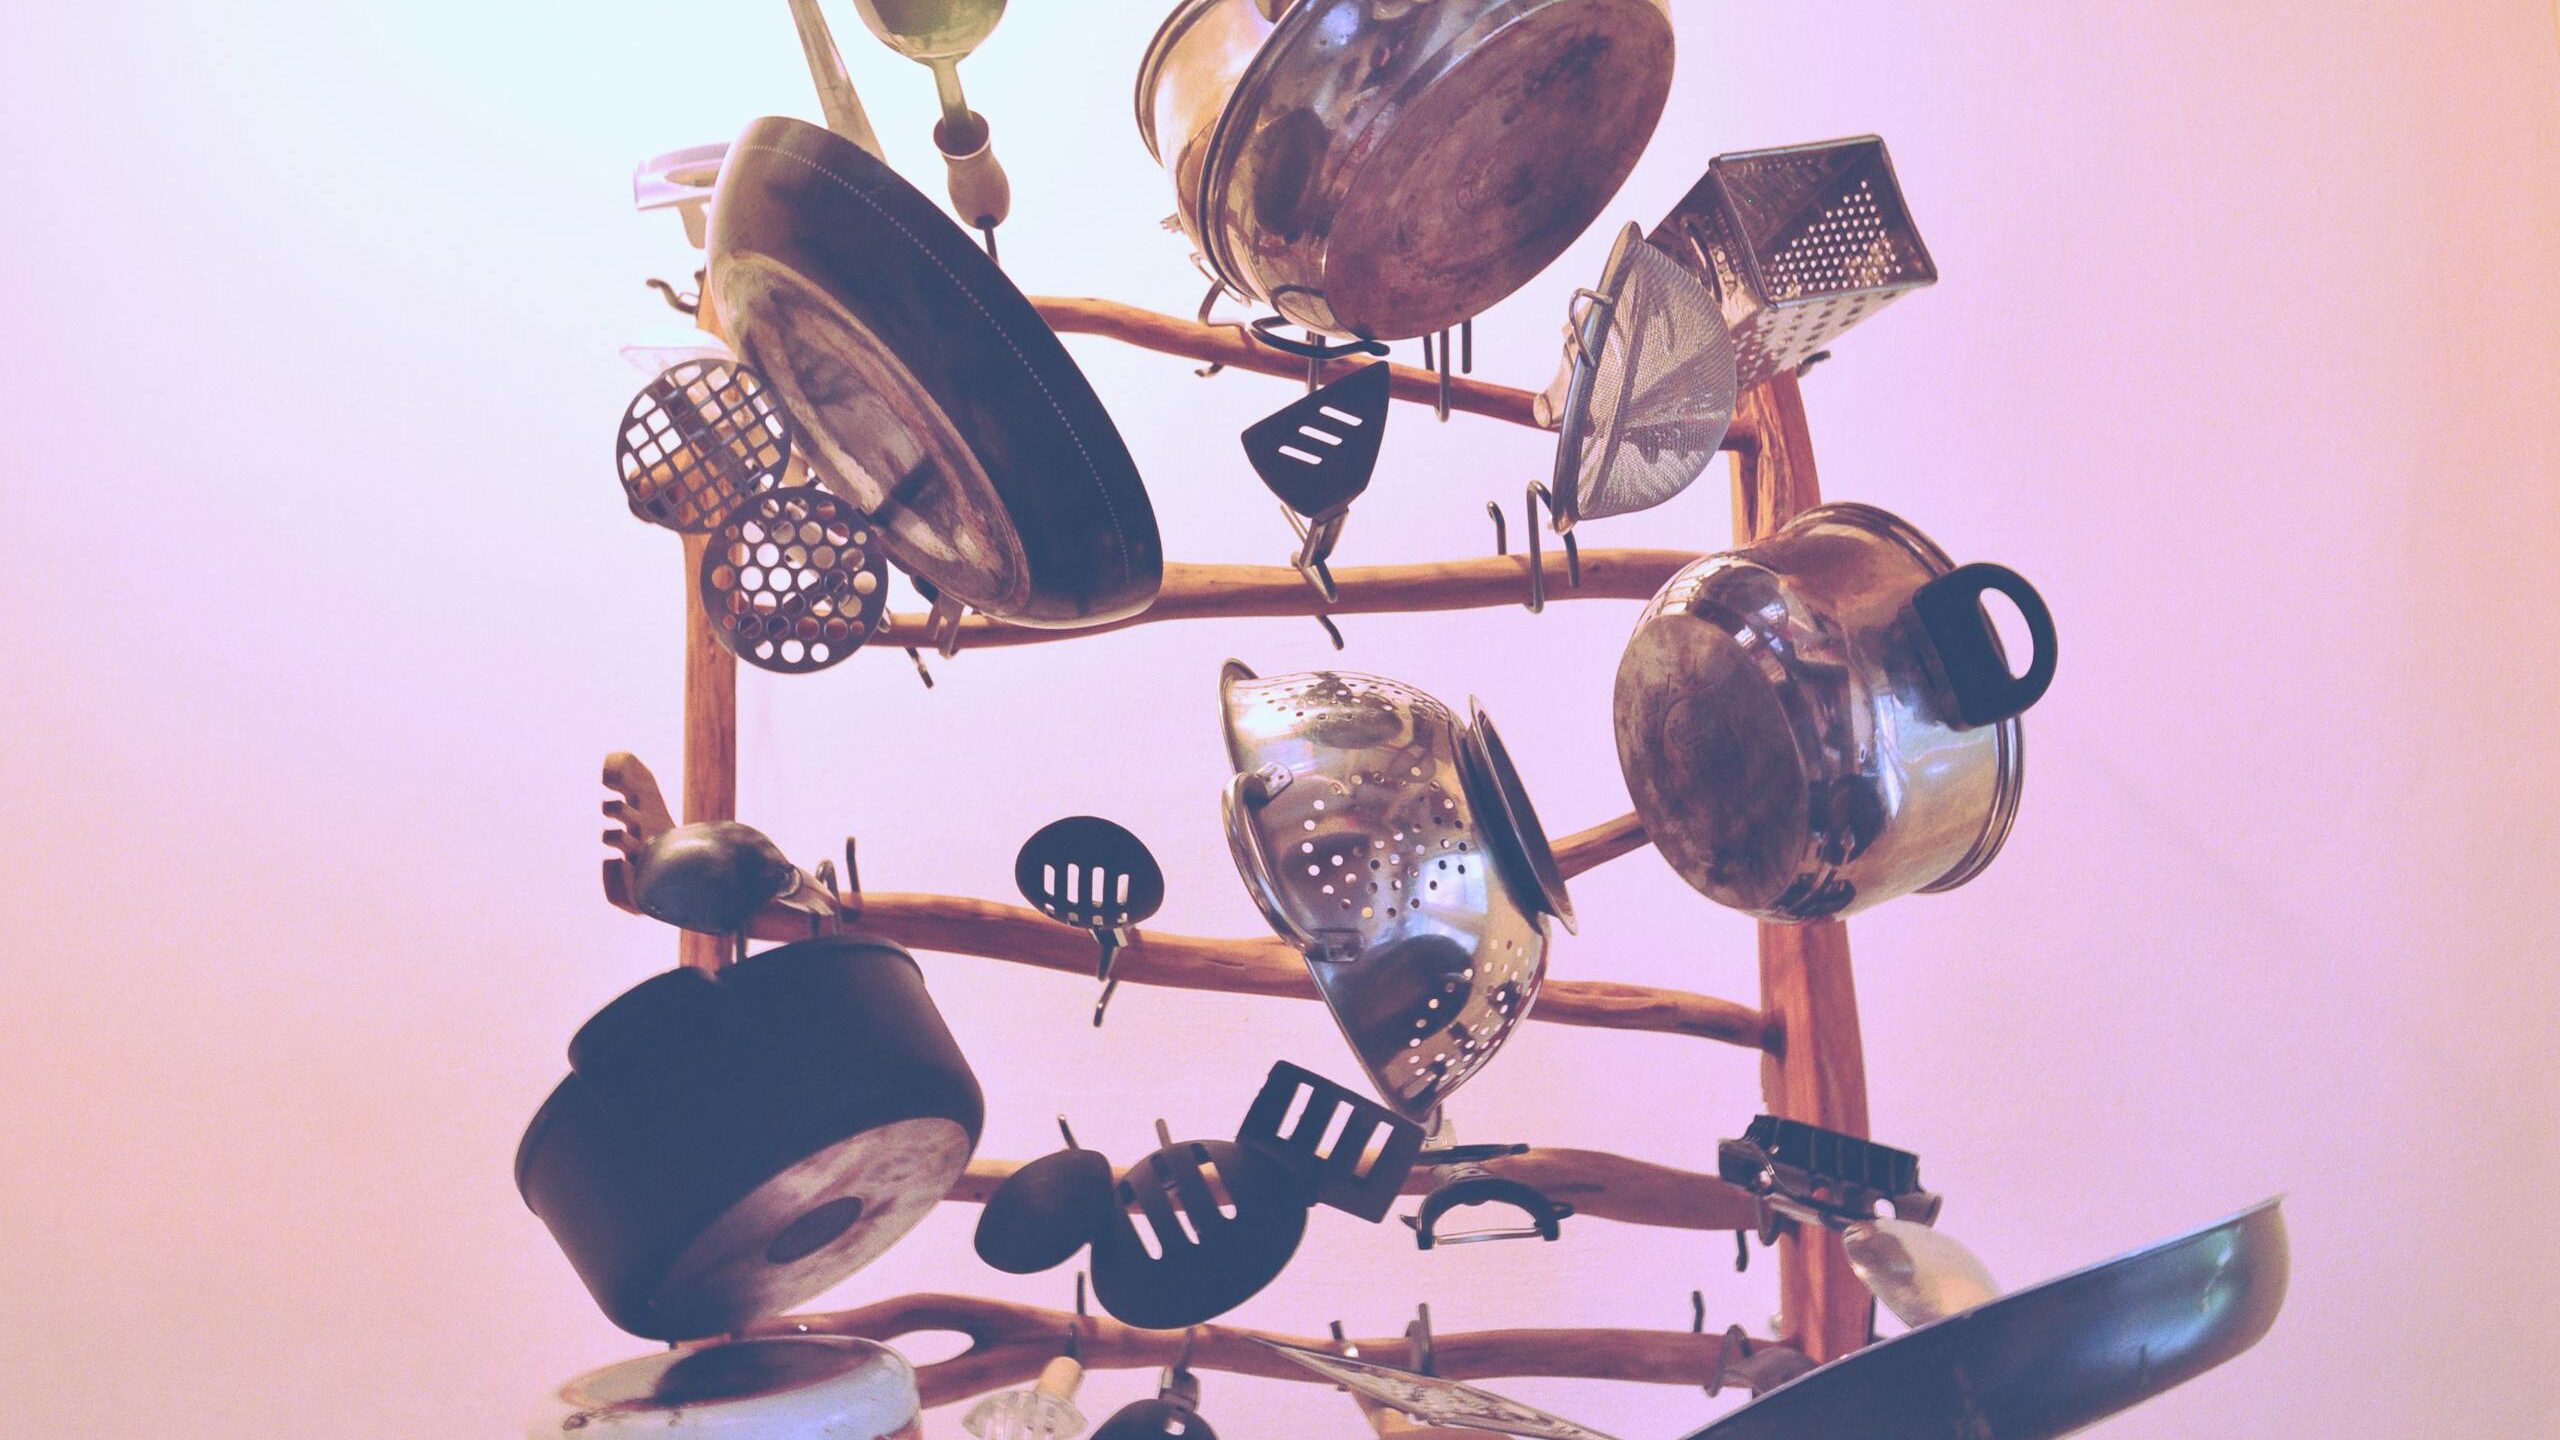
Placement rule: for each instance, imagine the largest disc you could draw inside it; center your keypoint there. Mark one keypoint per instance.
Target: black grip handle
(1545, 1216)
(1950, 612)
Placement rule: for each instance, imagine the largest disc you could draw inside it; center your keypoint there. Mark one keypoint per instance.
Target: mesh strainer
(1395, 847)
(696, 440)
(1798, 243)
(1647, 387)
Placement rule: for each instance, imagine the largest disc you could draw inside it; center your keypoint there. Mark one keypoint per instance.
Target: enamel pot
(728, 1146)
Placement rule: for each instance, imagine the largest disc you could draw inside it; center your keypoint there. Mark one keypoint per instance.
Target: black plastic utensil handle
(1978, 677)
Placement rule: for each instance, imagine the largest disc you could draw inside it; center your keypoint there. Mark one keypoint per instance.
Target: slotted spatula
(1317, 455)
(1092, 873)
(1347, 1150)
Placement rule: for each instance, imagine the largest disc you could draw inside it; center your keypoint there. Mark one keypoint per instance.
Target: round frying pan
(923, 387)
(2051, 1358)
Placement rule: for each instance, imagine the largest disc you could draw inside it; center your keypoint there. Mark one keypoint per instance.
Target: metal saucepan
(783, 1387)
(1396, 848)
(1388, 169)
(726, 1147)
(923, 388)
(1825, 719)
(2051, 1358)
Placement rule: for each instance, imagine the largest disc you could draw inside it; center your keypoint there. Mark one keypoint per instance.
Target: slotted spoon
(1092, 873)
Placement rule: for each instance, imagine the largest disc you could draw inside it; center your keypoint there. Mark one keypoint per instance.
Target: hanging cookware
(1317, 454)
(784, 1387)
(1646, 390)
(923, 388)
(1798, 243)
(695, 441)
(1174, 1413)
(1045, 1411)
(1091, 873)
(712, 876)
(939, 34)
(1396, 848)
(1825, 718)
(1465, 1183)
(2050, 1359)
(793, 580)
(1046, 1211)
(1388, 169)
(680, 180)
(728, 1146)
(1221, 1222)
(1432, 1400)
(1347, 1152)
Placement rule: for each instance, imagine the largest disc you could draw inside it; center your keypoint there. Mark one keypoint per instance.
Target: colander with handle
(1396, 848)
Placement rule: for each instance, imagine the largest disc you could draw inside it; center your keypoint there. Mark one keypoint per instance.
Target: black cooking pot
(727, 1147)
(922, 387)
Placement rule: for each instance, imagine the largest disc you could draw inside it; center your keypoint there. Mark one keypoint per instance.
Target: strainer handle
(1246, 794)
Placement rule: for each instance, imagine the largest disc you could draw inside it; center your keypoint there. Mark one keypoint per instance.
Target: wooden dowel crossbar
(1011, 1342)
(1234, 346)
(1598, 1185)
(957, 925)
(1229, 592)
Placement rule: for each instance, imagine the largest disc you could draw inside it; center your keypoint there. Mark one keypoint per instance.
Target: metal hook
(1425, 1360)
(826, 877)
(1440, 406)
(849, 903)
(1467, 346)
(678, 301)
(1209, 303)
(1164, 1133)
(1070, 1137)
(942, 625)
(921, 673)
(1110, 942)
(1332, 631)
(989, 231)
(1540, 495)
(1741, 1252)
(1075, 1326)
(1315, 547)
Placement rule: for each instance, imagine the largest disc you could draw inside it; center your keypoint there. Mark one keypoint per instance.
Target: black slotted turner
(1347, 1150)
(1317, 455)
(1091, 873)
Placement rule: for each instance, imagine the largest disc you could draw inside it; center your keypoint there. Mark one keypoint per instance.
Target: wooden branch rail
(955, 925)
(1228, 592)
(1597, 1184)
(1234, 346)
(1010, 1342)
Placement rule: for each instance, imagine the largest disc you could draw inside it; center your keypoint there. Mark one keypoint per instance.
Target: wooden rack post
(1815, 1070)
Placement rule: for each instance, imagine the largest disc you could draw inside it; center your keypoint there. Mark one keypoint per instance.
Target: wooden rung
(1231, 592)
(1011, 1342)
(1598, 1185)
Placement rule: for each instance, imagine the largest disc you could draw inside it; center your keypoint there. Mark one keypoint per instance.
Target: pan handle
(1950, 612)
(979, 191)
(836, 97)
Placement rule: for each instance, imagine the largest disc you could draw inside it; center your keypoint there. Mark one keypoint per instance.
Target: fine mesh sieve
(1649, 386)
(1798, 244)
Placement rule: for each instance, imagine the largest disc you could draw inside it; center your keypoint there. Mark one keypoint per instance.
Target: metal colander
(1395, 848)
(1798, 244)
(1649, 386)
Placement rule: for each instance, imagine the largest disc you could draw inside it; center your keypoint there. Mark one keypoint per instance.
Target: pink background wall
(322, 608)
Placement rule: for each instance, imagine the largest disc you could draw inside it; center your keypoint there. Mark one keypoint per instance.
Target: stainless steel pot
(1388, 168)
(1825, 719)
(1396, 848)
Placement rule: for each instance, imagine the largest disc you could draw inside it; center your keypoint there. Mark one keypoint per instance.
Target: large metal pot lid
(923, 387)
(769, 1388)
(2051, 1358)
(1445, 153)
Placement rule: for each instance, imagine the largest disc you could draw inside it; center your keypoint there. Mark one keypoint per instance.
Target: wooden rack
(1805, 1024)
